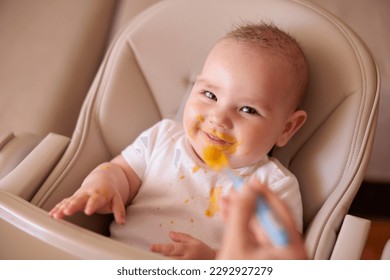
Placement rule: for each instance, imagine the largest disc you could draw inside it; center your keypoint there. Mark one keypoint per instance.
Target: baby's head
(246, 98)
(267, 39)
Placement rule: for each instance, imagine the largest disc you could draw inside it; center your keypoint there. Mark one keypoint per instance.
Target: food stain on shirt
(177, 158)
(195, 168)
(182, 177)
(213, 208)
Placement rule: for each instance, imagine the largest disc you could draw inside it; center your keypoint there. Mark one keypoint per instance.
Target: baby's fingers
(96, 202)
(57, 212)
(118, 209)
(69, 206)
(170, 250)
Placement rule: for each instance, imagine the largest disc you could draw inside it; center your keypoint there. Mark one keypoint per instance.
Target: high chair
(146, 74)
(46, 69)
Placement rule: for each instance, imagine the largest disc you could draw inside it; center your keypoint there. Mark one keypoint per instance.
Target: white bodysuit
(180, 193)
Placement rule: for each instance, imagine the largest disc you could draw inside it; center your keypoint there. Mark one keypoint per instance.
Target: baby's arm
(107, 189)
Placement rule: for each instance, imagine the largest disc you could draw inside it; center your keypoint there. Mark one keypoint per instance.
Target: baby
(244, 102)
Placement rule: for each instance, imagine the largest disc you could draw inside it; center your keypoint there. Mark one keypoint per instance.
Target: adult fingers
(241, 210)
(278, 208)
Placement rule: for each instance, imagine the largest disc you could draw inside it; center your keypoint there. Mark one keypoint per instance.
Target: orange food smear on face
(195, 126)
(224, 136)
(215, 157)
(233, 148)
(215, 194)
(200, 118)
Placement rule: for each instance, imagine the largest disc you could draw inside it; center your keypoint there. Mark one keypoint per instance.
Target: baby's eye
(249, 110)
(209, 95)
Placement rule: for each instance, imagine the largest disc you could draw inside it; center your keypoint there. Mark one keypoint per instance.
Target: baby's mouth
(219, 139)
(215, 140)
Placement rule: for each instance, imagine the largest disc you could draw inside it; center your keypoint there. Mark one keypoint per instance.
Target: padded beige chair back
(152, 65)
(47, 64)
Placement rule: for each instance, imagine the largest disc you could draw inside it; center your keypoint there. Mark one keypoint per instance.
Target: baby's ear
(293, 124)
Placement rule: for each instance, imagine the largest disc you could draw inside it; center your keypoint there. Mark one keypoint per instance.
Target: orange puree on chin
(215, 158)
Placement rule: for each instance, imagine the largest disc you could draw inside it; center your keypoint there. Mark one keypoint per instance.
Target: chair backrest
(46, 68)
(152, 65)
(51, 61)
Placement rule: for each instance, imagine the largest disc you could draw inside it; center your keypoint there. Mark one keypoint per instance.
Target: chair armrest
(28, 232)
(386, 251)
(351, 239)
(14, 148)
(5, 138)
(25, 179)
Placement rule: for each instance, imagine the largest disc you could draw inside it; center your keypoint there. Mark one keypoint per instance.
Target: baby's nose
(220, 118)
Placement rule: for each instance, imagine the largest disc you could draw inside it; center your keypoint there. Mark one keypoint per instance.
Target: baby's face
(238, 103)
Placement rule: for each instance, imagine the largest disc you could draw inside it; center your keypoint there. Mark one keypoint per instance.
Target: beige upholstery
(126, 11)
(27, 177)
(37, 68)
(371, 21)
(50, 52)
(48, 63)
(386, 251)
(151, 67)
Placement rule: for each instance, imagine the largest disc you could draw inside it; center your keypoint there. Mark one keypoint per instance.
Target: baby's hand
(100, 199)
(105, 190)
(184, 247)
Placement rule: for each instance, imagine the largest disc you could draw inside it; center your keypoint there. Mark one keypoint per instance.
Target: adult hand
(244, 236)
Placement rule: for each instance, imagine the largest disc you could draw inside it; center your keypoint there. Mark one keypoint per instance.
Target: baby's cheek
(247, 156)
